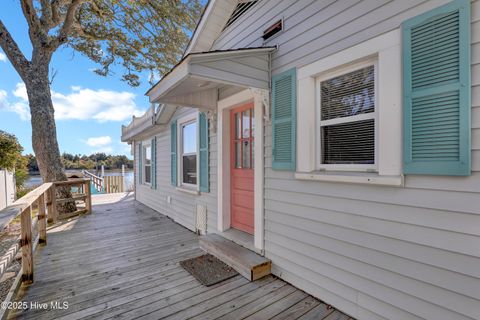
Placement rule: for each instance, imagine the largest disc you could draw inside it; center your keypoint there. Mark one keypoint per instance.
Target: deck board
(122, 262)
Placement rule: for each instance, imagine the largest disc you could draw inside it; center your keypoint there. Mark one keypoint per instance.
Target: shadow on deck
(122, 262)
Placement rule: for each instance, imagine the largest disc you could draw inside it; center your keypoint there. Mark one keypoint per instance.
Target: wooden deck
(122, 262)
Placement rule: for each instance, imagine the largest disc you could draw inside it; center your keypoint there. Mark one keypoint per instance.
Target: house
(7, 188)
(340, 139)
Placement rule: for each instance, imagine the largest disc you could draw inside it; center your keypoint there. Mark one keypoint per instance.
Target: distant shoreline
(37, 173)
(36, 180)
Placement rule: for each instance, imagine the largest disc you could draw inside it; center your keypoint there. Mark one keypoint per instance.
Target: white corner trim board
(386, 50)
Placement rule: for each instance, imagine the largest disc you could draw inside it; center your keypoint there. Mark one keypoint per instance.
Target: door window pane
(238, 126)
(238, 154)
(252, 132)
(246, 124)
(253, 153)
(246, 154)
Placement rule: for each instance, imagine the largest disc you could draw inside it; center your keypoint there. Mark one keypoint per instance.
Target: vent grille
(241, 8)
(273, 30)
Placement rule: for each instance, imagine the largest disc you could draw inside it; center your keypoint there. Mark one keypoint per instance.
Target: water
(36, 180)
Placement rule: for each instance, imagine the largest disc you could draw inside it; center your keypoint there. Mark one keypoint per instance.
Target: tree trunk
(44, 134)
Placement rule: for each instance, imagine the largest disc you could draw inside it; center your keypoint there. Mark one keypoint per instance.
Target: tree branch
(34, 25)
(68, 23)
(57, 15)
(13, 52)
(46, 18)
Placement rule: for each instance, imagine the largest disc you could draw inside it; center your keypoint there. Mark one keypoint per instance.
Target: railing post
(88, 199)
(53, 214)
(42, 221)
(49, 204)
(27, 245)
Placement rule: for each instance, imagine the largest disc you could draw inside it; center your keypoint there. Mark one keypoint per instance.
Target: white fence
(7, 188)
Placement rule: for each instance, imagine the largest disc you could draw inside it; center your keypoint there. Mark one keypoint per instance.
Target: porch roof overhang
(194, 81)
(140, 127)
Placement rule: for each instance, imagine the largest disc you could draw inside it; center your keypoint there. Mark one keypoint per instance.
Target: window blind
(347, 125)
(349, 143)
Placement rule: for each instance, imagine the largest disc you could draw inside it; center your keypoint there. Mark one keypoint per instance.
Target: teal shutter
(140, 169)
(154, 163)
(203, 152)
(284, 109)
(436, 81)
(173, 153)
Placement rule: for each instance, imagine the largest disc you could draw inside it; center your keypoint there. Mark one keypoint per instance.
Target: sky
(89, 109)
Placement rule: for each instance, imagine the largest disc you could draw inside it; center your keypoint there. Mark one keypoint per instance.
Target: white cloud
(99, 141)
(3, 97)
(82, 104)
(100, 144)
(3, 57)
(20, 107)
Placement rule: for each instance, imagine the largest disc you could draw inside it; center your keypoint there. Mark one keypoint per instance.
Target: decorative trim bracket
(262, 96)
(211, 116)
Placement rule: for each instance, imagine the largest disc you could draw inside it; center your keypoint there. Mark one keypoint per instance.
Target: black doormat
(208, 270)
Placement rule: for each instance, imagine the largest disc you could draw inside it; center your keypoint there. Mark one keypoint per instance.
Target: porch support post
(262, 112)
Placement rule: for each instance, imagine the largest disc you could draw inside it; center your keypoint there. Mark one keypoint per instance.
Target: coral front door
(241, 147)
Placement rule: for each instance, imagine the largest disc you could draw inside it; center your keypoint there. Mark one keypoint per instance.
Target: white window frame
(191, 118)
(319, 123)
(145, 146)
(387, 50)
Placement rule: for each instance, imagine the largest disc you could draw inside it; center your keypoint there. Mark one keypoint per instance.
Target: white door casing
(260, 98)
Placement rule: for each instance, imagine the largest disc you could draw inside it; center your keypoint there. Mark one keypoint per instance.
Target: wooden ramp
(249, 264)
(122, 261)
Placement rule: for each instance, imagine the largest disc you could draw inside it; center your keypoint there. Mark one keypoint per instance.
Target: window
(147, 164)
(347, 125)
(323, 144)
(188, 152)
(243, 140)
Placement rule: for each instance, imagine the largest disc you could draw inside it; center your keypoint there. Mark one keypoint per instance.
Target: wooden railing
(97, 181)
(44, 199)
(114, 184)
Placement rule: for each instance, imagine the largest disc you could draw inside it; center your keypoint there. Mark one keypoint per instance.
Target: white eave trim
(201, 26)
(201, 67)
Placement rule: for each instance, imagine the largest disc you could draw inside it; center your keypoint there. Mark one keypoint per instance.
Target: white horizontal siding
(316, 29)
(373, 252)
(182, 208)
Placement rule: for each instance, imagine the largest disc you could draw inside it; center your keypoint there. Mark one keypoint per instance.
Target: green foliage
(138, 35)
(10, 151)
(93, 161)
(21, 171)
(11, 158)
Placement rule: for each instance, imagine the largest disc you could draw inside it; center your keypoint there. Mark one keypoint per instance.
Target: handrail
(98, 182)
(45, 196)
(88, 173)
